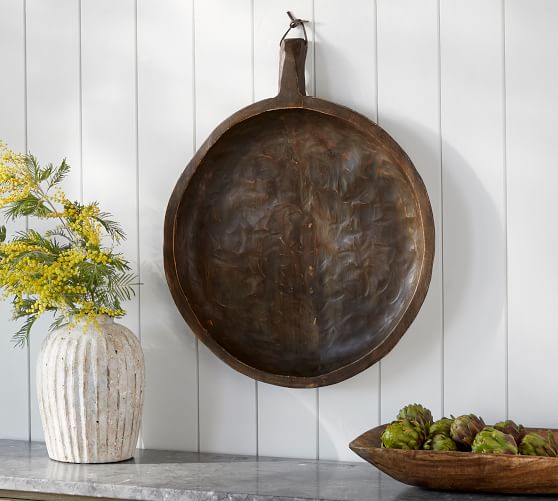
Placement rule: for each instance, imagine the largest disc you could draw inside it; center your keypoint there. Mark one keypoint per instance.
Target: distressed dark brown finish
(299, 240)
(461, 471)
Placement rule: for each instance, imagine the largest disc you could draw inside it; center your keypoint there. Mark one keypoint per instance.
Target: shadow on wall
(468, 249)
(469, 289)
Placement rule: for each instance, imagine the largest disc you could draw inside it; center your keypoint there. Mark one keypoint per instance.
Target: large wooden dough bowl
(299, 240)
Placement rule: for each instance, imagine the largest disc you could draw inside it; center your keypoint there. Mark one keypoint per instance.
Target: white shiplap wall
(127, 90)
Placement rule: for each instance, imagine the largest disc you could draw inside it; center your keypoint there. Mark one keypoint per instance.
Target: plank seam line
(443, 303)
(80, 90)
(26, 146)
(194, 144)
(505, 162)
(136, 132)
(314, 47)
(137, 161)
(314, 90)
(253, 62)
(376, 57)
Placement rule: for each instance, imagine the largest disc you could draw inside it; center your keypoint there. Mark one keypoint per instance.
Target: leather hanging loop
(295, 22)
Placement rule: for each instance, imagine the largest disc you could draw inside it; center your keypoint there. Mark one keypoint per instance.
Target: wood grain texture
(532, 106)
(461, 471)
(472, 121)
(408, 108)
(346, 73)
(165, 121)
(14, 390)
(54, 122)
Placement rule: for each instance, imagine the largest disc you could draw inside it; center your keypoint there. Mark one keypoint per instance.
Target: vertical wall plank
(408, 109)
(287, 418)
(165, 119)
(109, 120)
(532, 107)
(14, 390)
(223, 61)
(53, 104)
(223, 84)
(287, 421)
(346, 54)
(346, 74)
(474, 230)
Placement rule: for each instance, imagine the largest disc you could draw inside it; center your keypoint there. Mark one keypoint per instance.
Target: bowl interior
(299, 242)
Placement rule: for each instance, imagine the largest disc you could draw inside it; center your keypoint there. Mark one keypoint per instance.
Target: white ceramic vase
(90, 382)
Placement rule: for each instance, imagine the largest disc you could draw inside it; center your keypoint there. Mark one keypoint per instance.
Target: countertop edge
(133, 493)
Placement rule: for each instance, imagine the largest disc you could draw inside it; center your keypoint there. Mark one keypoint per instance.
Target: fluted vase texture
(90, 382)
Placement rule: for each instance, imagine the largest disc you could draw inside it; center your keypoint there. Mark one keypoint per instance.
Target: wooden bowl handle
(292, 84)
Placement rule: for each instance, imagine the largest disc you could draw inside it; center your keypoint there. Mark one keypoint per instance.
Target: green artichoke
(517, 431)
(441, 427)
(418, 413)
(464, 429)
(440, 442)
(403, 434)
(493, 441)
(534, 444)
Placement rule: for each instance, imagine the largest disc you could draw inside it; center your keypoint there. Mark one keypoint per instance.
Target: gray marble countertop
(174, 476)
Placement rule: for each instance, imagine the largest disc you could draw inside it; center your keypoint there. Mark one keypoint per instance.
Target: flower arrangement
(71, 269)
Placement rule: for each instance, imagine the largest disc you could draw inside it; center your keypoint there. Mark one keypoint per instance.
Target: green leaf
(33, 166)
(58, 322)
(33, 237)
(111, 227)
(119, 263)
(21, 337)
(2, 233)
(122, 286)
(61, 232)
(45, 172)
(59, 174)
(28, 206)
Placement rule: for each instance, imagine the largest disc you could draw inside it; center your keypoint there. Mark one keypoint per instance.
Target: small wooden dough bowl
(461, 471)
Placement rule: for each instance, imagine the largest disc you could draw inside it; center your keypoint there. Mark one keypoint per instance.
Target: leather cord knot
(295, 22)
